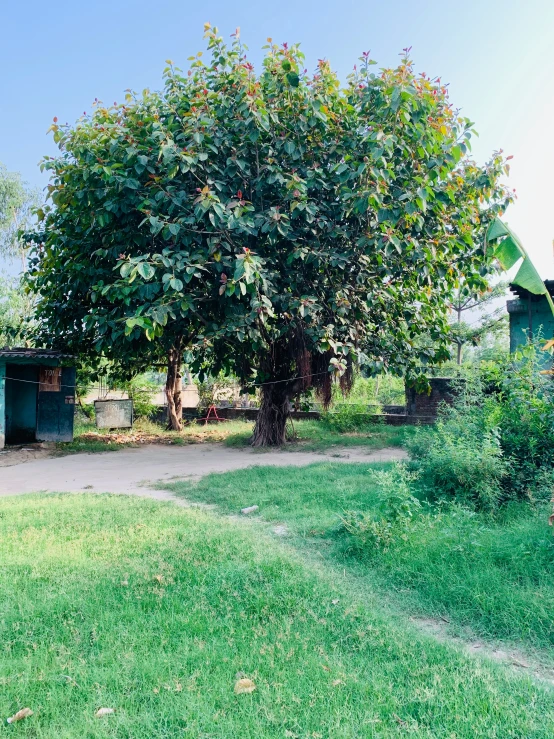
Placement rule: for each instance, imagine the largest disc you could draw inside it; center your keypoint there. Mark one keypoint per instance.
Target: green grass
(316, 436)
(89, 446)
(153, 610)
(495, 576)
(311, 436)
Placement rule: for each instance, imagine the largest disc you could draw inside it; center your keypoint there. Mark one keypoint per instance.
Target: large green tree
(287, 227)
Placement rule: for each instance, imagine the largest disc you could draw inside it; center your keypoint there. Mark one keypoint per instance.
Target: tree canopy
(17, 201)
(284, 225)
(16, 312)
(484, 318)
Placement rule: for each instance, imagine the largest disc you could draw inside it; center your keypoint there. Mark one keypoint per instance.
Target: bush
(357, 413)
(465, 464)
(495, 442)
(141, 392)
(349, 417)
(526, 421)
(461, 457)
(84, 411)
(396, 509)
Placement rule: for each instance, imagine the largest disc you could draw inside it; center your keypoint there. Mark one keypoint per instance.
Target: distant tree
(16, 312)
(17, 201)
(483, 318)
(287, 227)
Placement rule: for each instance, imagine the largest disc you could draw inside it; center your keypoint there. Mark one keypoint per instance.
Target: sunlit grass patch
(495, 575)
(156, 611)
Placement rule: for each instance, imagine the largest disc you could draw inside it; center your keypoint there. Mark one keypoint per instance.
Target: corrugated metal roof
(15, 352)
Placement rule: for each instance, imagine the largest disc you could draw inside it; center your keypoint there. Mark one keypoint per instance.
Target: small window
(50, 380)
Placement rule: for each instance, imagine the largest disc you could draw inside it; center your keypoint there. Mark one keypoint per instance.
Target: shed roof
(26, 353)
(522, 292)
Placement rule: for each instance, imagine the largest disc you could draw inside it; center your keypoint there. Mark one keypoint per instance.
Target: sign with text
(50, 379)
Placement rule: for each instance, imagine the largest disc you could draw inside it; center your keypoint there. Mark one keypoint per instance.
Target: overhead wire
(101, 387)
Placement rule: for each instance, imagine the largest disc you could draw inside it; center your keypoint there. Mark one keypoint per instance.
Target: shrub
(349, 417)
(396, 509)
(461, 457)
(526, 420)
(465, 464)
(84, 411)
(379, 390)
(141, 392)
(495, 442)
(375, 391)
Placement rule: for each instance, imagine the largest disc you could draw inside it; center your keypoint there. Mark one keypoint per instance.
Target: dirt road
(135, 471)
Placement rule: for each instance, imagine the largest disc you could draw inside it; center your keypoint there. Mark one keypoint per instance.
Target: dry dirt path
(136, 471)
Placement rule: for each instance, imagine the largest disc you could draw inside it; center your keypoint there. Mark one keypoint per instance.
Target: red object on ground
(212, 416)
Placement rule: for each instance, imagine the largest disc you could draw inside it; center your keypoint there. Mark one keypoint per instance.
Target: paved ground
(135, 471)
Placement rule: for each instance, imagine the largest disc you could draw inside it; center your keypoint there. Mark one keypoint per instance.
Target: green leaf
(132, 184)
(146, 270)
(508, 252)
(125, 270)
(496, 230)
(159, 314)
(456, 153)
(528, 278)
(289, 146)
(286, 65)
(155, 225)
(130, 324)
(293, 79)
(176, 284)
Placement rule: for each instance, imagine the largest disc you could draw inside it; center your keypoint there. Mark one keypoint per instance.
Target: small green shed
(37, 396)
(530, 317)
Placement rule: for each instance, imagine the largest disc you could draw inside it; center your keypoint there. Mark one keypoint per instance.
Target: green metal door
(56, 408)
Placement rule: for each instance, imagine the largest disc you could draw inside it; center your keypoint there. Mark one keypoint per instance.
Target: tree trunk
(173, 387)
(459, 312)
(459, 354)
(270, 428)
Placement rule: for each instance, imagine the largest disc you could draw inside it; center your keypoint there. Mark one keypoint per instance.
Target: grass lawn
(154, 611)
(311, 436)
(495, 576)
(317, 436)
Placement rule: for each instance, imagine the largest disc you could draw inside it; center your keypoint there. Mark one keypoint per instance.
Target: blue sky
(497, 56)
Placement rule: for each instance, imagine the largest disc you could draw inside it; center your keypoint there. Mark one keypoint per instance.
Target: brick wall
(426, 404)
